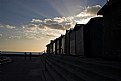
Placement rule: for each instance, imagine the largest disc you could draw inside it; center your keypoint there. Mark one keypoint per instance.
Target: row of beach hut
(100, 37)
(83, 39)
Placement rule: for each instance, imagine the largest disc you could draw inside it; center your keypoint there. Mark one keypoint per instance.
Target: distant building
(63, 45)
(58, 45)
(79, 41)
(48, 48)
(51, 47)
(54, 47)
(55, 43)
(67, 42)
(72, 42)
(111, 12)
(93, 37)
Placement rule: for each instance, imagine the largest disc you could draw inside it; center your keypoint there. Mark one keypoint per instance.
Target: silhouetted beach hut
(54, 47)
(67, 42)
(51, 47)
(48, 48)
(111, 12)
(72, 42)
(63, 47)
(55, 43)
(60, 44)
(58, 47)
(93, 37)
(79, 43)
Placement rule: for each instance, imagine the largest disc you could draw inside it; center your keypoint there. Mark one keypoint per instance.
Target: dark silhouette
(100, 37)
(111, 12)
(93, 37)
(39, 53)
(25, 55)
(78, 55)
(30, 55)
(0, 53)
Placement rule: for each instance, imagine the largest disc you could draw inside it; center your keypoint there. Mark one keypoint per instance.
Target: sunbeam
(35, 22)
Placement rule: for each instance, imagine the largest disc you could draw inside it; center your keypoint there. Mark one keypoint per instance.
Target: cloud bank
(49, 28)
(63, 23)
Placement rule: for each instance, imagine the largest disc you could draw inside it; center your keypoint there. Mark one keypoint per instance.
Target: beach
(59, 68)
(21, 70)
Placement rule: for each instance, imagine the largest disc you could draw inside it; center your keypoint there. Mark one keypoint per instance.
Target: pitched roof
(94, 20)
(78, 26)
(108, 6)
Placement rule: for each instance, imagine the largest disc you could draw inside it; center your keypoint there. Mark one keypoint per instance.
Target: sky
(29, 25)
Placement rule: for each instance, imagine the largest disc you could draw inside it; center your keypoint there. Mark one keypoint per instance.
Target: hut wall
(79, 42)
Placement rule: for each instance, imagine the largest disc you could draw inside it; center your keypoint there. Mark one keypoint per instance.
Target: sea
(20, 53)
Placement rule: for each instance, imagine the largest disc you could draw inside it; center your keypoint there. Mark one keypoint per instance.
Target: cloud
(10, 27)
(33, 27)
(30, 31)
(36, 20)
(7, 26)
(50, 21)
(93, 10)
(30, 27)
(15, 37)
(1, 26)
(59, 19)
(59, 23)
(41, 26)
(64, 23)
(89, 11)
(55, 26)
(59, 26)
(1, 35)
(50, 35)
(50, 27)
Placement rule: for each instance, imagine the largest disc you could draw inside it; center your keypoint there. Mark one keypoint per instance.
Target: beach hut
(111, 12)
(93, 37)
(57, 45)
(51, 47)
(79, 43)
(63, 47)
(72, 42)
(67, 42)
(48, 48)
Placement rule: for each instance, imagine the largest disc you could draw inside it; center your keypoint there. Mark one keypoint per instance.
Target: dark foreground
(22, 70)
(60, 68)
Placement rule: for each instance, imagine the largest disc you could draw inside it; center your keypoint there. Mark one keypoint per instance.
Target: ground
(60, 68)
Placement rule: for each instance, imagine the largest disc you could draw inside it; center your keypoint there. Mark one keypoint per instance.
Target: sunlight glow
(42, 23)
